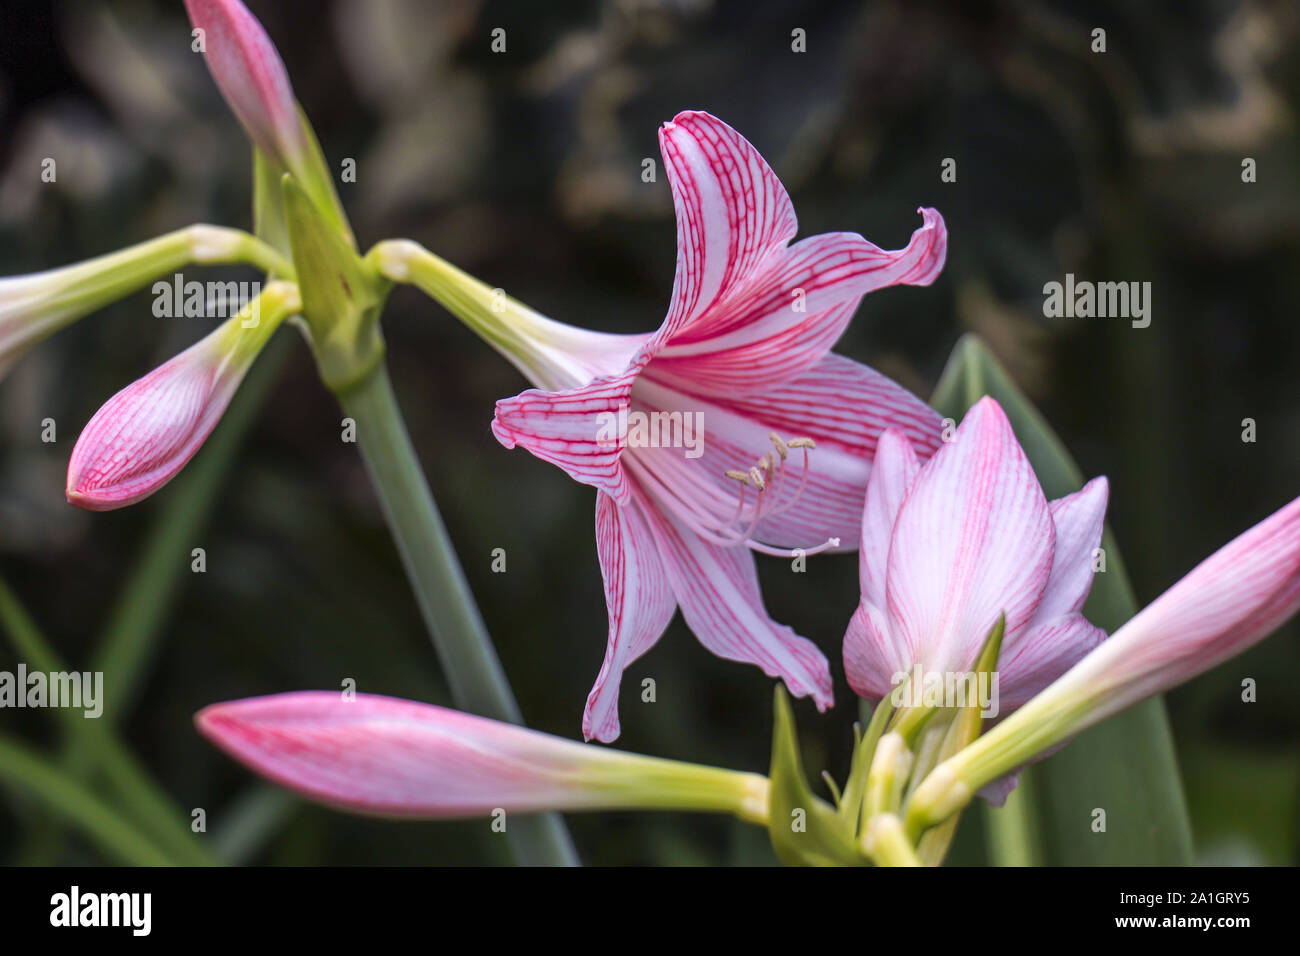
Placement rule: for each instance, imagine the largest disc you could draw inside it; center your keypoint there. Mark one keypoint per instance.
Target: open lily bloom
(950, 545)
(743, 358)
(393, 757)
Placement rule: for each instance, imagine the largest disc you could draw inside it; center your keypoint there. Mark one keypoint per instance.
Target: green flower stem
(478, 682)
(1046, 720)
(251, 819)
(621, 780)
(115, 835)
(540, 348)
(49, 301)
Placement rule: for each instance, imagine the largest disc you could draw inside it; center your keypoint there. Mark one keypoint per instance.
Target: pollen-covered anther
(769, 477)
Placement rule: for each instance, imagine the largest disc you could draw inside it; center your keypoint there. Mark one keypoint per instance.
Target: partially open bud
(33, 307)
(1231, 600)
(145, 434)
(381, 755)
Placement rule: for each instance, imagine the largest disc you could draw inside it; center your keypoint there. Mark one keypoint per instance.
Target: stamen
(826, 545)
(768, 476)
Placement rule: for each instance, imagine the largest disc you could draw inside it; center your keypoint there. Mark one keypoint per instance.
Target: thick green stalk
(478, 682)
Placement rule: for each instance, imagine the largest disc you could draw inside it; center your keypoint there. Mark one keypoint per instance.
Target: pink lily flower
(950, 545)
(251, 76)
(144, 435)
(390, 757)
(745, 349)
(1229, 602)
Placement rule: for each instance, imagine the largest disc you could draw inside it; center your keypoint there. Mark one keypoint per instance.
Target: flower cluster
(971, 581)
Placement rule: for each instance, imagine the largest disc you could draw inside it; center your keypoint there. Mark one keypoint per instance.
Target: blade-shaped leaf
(1125, 766)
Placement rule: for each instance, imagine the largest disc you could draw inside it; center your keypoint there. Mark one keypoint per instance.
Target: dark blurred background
(524, 167)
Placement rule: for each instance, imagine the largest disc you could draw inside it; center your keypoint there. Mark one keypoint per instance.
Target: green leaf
(805, 830)
(1125, 766)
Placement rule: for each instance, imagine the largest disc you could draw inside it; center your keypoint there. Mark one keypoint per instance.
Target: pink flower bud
(393, 757)
(251, 76)
(145, 434)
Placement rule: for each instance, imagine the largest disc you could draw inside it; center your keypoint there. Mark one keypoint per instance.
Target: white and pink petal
(639, 600)
(732, 212)
(575, 429)
(717, 590)
(1078, 519)
(973, 540)
(795, 308)
(892, 472)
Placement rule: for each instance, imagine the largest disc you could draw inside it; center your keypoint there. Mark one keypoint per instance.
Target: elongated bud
(255, 84)
(33, 307)
(382, 755)
(1231, 600)
(251, 76)
(145, 434)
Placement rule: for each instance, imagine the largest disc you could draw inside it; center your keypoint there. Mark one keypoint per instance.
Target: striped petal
(1040, 654)
(892, 473)
(844, 406)
(717, 589)
(575, 429)
(732, 212)
(871, 659)
(1227, 603)
(639, 600)
(786, 316)
(973, 540)
(1078, 519)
